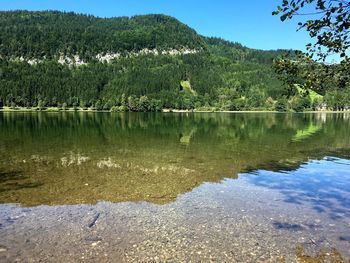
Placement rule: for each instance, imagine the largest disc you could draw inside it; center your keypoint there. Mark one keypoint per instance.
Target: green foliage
(312, 95)
(299, 103)
(144, 104)
(13, 106)
(269, 104)
(329, 23)
(98, 105)
(281, 104)
(51, 34)
(307, 77)
(186, 87)
(337, 100)
(106, 107)
(221, 74)
(133, 103)
(41, 105)
(238, 53)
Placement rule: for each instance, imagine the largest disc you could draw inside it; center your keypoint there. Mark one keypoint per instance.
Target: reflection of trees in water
(246, 140)
(304, 134)
(15, 180)
(251, 125)
(186, 136)
(250, 134)
(148, 148)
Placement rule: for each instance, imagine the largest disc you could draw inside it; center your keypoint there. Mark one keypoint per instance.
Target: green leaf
(283, 18)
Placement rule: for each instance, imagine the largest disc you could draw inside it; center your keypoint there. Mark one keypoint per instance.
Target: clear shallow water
(174, 187)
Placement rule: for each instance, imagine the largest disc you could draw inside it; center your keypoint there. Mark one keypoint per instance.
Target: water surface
(257, 187)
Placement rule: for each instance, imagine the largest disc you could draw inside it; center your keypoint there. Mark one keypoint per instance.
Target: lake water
(168, 187)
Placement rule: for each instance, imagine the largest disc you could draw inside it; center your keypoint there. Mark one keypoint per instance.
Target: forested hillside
(49, 34)
(55, 59)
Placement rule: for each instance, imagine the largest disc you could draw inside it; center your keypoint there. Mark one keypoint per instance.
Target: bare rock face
(108, 57)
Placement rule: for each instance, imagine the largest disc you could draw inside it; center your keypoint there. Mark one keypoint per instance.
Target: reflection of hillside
(71, 158)
(186, 137)
(306, 133)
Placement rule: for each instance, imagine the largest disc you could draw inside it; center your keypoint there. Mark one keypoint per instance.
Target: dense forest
(142, 63)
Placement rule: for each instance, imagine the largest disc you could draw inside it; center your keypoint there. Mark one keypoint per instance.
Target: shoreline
(56, 110)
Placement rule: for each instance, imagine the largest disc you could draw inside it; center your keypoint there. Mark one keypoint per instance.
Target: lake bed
(174, 187)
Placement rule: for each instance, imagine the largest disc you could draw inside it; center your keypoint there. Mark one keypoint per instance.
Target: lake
(174, 187)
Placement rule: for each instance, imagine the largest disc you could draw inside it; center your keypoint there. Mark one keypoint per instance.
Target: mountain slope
(237, 52)
(49, 34)
(53, 59)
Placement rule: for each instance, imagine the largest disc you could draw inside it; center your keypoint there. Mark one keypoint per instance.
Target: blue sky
(246, 21)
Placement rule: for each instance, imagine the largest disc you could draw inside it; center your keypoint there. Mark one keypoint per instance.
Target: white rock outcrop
(71, 61)
(108, 57)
